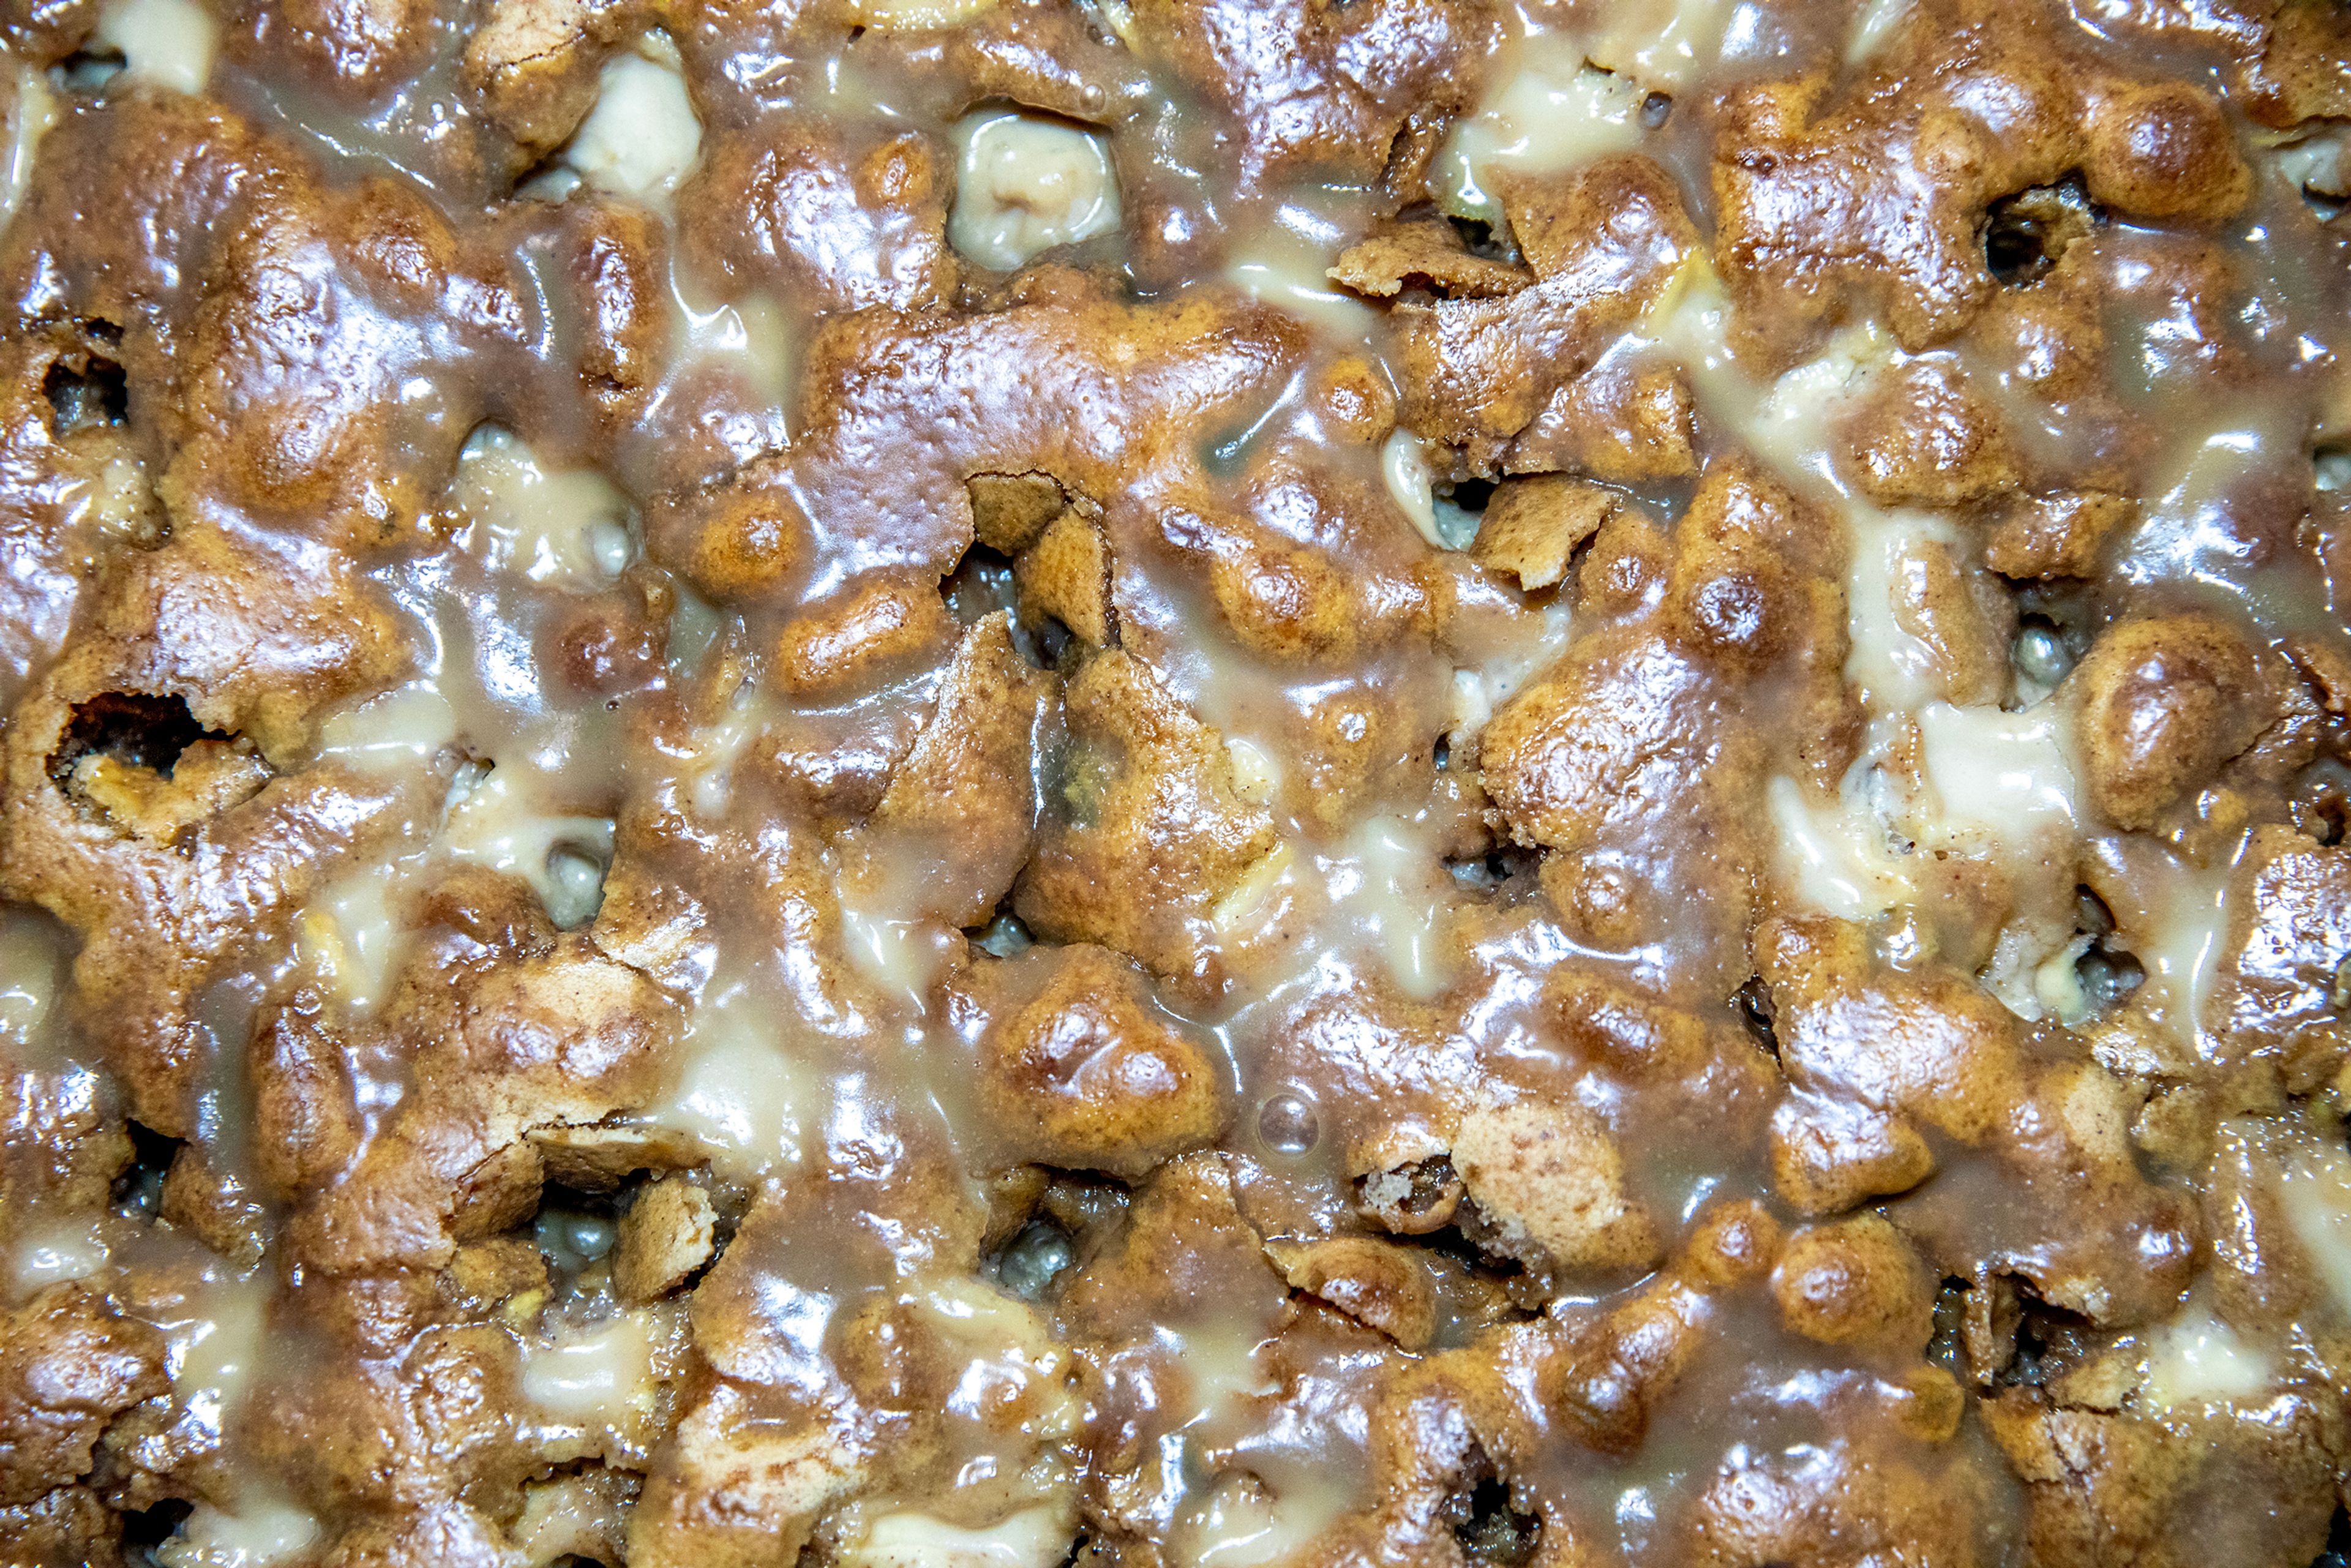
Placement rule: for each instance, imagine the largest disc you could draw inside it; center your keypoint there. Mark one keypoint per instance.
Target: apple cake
(1174, 783)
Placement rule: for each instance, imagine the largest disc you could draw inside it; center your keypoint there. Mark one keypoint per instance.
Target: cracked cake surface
(1175, 784)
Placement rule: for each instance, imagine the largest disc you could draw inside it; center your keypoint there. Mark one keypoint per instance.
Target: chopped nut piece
(955, 826)
(2057, 535)
(1604, 243)
(2165, 702)
(68, 1365)
(1924, 440)
(969, 748)
(861, 638)
(1083, 1069)
(1146, 800)
(1856, 1281)
(533, 64)
(208, 778)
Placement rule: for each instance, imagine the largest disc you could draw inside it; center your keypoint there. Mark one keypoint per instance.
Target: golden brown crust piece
(2164, 703)
(1533, 525)
(667, 1235)
(1146, 797)
(1430, 254)
(1603, 245)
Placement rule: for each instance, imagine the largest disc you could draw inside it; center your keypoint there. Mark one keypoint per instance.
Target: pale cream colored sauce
(917, 16)
(168, 42)
(642, 139)
(1032, 1538)
(31, 114)
(1551, 113)
(750, 1090)
(1662, 44)
(566, 528)
(1027, 184)
(1285, 262)
(601, 1375)
(2316, 1195)
(261, 1531)
(2198, 1357)
(741, 1091)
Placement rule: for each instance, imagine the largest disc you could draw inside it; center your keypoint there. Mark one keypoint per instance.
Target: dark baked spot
(2321, 802)
(133, 728)
(2339, 1543)
(2049, 1341)
(1755, 1013)
(1495, 870)
(1469, 493)
(92, 394)
(1487, 1524)
(2027, 233)
(1483, 239)
(139, 1188)
(2108, 975)
(1037, 1256)
(1414, 1200)
(143, 1529)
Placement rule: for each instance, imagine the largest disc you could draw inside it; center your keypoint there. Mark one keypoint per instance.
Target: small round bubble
(1034, 1260)
(2042, 656)
(1288, 1124)
(590, 1235)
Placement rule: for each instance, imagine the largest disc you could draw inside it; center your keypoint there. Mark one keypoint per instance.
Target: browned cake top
(1174, 783)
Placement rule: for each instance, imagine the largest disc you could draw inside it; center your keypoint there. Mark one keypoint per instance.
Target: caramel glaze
(940, 928)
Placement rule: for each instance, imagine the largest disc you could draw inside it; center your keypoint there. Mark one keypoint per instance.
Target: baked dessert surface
(886, 782)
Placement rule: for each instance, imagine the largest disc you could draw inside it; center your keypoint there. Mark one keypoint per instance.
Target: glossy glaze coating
(1571, 797)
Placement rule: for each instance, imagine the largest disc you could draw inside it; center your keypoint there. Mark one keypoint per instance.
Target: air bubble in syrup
(2334, 468)
(2042, 656)
(609, 546)
(1288, 1124)
(575, 887)
(1036, 1258)
(590, 1235)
